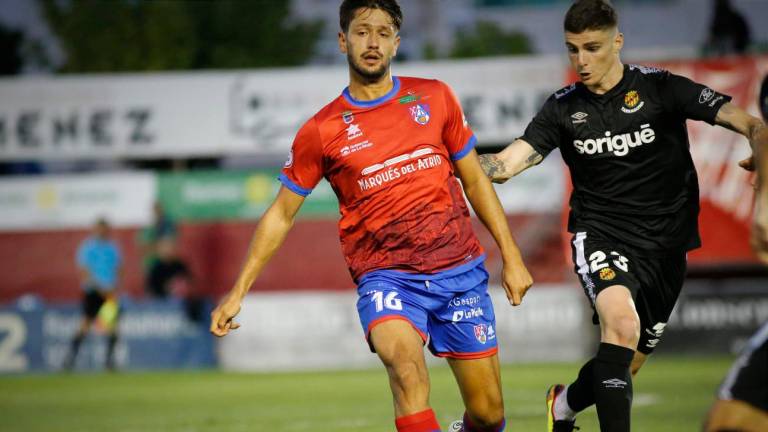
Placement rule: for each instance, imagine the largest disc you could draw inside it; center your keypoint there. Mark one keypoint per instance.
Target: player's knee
(407, 372)
(486, 412)
(487, 419)
(623, 330)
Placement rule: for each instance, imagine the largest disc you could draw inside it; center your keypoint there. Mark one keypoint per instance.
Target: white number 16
(390, 301)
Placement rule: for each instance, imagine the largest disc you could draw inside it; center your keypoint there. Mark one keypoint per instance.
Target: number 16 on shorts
(390, 301)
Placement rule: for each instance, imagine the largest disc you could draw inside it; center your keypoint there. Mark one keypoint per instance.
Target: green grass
(671, 395)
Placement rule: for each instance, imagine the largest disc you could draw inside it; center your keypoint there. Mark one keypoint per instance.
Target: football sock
(423, 421)
(562, 410)
(471, 427)
(111, 342)
(613, 387)
(580, 394)
(69, 363)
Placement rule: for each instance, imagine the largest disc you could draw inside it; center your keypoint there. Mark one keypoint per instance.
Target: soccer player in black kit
(742, 399)
(635, 201)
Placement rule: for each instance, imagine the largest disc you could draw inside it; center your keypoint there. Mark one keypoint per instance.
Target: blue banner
(152, 335)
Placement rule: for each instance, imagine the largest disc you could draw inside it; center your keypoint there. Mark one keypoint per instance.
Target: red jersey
(389, 162)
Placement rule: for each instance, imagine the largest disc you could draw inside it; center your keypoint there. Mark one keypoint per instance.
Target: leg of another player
(82, 331)
(111, 343)
(400, 348)
(612, 380)
(735, 415)
(637, 362)
(480, 383)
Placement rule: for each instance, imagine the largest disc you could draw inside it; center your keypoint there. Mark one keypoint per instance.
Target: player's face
(594, 53)
(370, 43)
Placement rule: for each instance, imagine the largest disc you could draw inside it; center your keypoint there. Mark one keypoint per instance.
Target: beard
(368, 75)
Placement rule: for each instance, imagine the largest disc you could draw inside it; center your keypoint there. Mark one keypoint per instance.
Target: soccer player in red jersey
(390, 147)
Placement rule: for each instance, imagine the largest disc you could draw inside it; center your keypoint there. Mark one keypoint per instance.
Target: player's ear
(618, 43)
(397, 45)
(342, 42)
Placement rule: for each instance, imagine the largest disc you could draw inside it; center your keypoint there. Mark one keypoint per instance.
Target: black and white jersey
(633, 176)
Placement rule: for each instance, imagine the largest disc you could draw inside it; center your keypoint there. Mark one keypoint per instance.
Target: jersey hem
(462, 268)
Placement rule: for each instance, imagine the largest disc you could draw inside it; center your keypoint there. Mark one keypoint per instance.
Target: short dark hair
(587, 15)
(348, 8)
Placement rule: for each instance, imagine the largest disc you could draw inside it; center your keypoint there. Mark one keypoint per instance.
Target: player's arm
(514, 159)
(269, 235)
(485, 202)
(734, 118)
(737, 120)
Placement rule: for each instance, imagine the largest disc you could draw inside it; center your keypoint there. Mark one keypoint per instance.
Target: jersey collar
(375, 102)
(618, 88)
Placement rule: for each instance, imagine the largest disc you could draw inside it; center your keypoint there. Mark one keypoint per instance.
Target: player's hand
(759, 238)
(222, 317)
(516, 280)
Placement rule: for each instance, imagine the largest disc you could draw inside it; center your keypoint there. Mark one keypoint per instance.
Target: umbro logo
(579, 117)
(614, 383)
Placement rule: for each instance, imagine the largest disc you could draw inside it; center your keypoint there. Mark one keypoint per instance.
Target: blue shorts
(451, 310)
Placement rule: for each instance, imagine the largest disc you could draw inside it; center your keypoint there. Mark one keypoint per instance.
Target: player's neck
(363, 90)
(610, 80)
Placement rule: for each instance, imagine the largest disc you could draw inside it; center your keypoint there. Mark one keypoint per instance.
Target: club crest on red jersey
(420, 113)
(481, 333)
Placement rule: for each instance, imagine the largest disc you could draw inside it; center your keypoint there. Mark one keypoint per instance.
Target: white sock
(561, 408)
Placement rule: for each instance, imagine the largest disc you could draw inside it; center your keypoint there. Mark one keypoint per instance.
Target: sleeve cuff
(466, 149)
(293, 187)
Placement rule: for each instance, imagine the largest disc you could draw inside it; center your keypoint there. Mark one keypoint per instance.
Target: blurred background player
(621, 130)
(99, 260)
(168, 273)
(404, 228)
(742, 400)
(162, 229)
(729, 31)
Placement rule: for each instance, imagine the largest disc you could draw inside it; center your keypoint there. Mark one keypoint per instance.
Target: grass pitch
(671, 395)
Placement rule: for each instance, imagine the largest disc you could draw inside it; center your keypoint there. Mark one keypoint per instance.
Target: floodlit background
(118, 108)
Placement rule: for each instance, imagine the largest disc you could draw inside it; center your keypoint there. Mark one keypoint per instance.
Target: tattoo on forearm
(492, 165)
(534, 158)
(723, 116)
(755, 130)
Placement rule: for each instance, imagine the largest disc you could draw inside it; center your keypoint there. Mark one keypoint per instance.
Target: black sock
(111, 342)
(613, 387)
(581, 393)
(69, 362)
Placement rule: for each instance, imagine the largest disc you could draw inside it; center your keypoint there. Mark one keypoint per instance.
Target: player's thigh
(392, 317)
(618, 316)
(397, 342)
(479, 381)
(600, 265)
(638, 360)
(735, 415)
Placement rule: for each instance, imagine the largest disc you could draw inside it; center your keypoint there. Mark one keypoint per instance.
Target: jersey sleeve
(457, 135)
(304, 167)
(543, 132)
(690, 99)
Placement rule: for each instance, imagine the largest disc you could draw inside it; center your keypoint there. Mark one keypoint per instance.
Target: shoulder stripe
(564, 91)
(646, 70)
